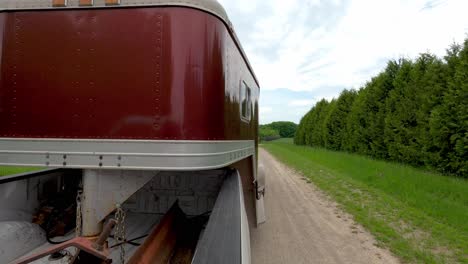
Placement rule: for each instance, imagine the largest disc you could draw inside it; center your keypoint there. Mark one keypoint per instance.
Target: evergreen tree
(417, 89)
(299, 137)
(317, 123)
(335, 125)
(449, 121)
(432, 85)
(357, 125)
(366, 122)
(308, 126)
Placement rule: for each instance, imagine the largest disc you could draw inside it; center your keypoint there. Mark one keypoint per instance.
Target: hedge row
(414, 112)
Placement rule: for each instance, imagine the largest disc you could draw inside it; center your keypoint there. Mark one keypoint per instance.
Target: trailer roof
(211, 6)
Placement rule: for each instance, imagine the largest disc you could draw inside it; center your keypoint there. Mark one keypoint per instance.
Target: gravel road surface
(305, 226)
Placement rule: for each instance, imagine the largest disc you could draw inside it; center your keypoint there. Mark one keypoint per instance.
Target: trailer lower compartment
(175, 217)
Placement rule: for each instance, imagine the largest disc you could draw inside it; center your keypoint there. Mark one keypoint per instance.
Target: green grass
(4, 171)
(421, 217)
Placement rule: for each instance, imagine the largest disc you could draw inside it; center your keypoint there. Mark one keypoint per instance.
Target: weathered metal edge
(124, 154)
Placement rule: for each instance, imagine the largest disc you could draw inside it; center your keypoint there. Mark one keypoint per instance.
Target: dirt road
(304, 226)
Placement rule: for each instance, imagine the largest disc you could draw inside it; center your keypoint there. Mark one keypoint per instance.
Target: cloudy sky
(305, 50)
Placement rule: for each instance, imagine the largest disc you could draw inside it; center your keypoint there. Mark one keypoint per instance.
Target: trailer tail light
(86, 2)
(112, 2)
(59, 3)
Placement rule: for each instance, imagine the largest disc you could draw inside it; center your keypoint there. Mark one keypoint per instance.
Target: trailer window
(245, 102)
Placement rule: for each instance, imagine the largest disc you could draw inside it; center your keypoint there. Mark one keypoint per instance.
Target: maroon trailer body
(132, 73)
(112, 86)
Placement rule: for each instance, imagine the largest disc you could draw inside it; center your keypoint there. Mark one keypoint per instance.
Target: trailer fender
(260, 184)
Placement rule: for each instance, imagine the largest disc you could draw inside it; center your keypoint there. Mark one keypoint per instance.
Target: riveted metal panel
(127, 73)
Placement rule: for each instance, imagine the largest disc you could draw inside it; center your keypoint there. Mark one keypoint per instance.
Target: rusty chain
(119, 234)
(79, 198)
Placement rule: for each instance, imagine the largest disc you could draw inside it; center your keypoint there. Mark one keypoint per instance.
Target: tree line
(276, 130)
(414, 112)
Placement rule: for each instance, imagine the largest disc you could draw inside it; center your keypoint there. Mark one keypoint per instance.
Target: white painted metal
(19, 199)
(15, 203)
(225, 234)
(124, 154)
(18, 238)
(245, 233)
(103, 189)
(196, 192)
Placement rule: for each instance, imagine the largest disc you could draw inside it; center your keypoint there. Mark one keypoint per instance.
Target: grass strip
(6, 170)
(422, 217)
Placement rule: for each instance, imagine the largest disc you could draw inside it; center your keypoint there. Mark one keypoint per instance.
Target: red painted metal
(78, 242)
(159, 245)
(59, 3)
(161, 73)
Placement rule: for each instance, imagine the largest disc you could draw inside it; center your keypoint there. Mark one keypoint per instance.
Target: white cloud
(354, 48)
(311, 45)
(301, 102)
(265, 109)
(244, 6)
